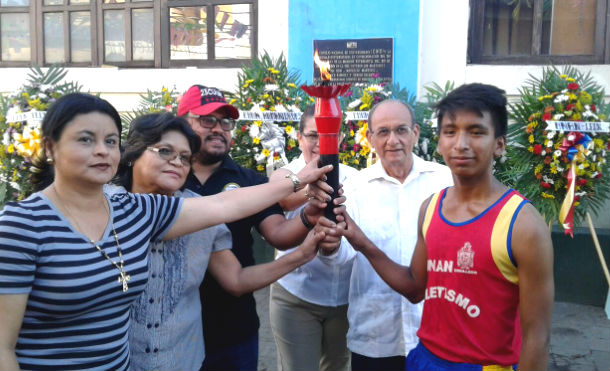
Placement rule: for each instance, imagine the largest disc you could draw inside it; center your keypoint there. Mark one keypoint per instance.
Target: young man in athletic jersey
(483, 259)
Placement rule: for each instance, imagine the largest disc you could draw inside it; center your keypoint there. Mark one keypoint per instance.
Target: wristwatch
(295, 181)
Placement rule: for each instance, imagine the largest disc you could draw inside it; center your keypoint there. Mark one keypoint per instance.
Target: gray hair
(408, 107)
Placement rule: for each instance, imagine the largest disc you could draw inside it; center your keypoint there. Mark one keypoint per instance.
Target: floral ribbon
(566, 213)
(573, 146)
(272, 139)
(572, 142)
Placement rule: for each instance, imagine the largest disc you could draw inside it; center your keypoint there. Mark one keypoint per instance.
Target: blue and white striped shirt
(77, 315)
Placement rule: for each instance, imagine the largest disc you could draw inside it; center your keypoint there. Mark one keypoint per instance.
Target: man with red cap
(230, 324)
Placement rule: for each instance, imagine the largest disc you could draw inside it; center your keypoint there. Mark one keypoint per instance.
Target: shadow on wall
(578, 273)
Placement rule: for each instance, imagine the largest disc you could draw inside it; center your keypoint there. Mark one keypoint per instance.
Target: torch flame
(323, 66)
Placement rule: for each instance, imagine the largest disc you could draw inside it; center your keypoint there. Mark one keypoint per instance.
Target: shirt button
(153, 250)
(149, 325)
(154, 275)
(157, 325)
(155, 350)
(151, 300)
(147, 350)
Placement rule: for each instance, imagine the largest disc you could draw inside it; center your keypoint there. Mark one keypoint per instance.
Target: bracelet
(296, 182)
(306, 222)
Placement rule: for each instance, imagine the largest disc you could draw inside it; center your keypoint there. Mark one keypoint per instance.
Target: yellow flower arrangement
(541, 156)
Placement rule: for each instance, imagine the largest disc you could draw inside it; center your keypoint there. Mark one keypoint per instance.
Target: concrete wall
(346, 19)
(443, 47)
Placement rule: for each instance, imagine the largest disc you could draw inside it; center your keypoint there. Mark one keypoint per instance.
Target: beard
(206, 157)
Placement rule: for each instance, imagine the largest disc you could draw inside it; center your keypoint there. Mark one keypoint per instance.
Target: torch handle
(332, 179)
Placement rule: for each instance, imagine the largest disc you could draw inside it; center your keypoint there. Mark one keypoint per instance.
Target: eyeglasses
(400, 131)
(170, 155)
(209, 122)
(311, 137)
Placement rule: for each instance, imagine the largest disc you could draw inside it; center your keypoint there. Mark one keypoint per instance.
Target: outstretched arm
(410, 281)
(237, 280)
(533, 252)
(284, 233)
(201, 212)
(294, 200)
(12, 309)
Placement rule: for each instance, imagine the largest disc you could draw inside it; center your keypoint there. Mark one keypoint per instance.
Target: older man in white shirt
(384, 201)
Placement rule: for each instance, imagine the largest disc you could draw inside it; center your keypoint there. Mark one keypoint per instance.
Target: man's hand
(352, 232)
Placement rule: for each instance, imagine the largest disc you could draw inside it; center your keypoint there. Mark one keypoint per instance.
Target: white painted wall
(443, 47)
(443, 42)
(122, 87)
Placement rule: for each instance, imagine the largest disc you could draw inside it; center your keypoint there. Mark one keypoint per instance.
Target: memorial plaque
(355, 60)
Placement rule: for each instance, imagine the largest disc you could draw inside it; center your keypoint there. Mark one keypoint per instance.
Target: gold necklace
(123, 277)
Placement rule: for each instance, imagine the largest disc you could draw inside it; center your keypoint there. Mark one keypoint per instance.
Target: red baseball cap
(201, 100)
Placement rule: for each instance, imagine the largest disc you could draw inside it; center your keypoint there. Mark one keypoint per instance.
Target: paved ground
(580, 338)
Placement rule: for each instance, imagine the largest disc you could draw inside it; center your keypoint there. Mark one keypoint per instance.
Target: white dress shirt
(316, 282)
(382, 323)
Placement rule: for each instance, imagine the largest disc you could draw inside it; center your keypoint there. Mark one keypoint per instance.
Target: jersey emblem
(465, 258)
(230, 186)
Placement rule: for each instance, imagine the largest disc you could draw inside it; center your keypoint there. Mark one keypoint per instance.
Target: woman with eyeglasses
(74, 259)
(167, 333)
(308, 307)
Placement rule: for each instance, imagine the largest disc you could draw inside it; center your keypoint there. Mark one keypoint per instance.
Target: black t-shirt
(228, 320)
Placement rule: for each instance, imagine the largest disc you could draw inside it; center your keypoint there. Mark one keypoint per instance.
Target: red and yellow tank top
(472, 294)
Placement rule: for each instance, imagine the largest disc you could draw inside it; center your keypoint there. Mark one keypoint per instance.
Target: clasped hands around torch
(326, 235)
(323, 236)
(344, 227)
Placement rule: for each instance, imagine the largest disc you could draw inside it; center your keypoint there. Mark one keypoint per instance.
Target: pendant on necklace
(124, 278)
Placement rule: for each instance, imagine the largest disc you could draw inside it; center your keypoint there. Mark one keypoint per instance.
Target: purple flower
(375, 75)
(348, 94)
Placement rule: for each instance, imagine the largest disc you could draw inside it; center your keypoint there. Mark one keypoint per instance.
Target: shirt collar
(419, 166)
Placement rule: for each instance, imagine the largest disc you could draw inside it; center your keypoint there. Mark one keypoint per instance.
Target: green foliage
(426, 118)
(165, 100)
(538, 159)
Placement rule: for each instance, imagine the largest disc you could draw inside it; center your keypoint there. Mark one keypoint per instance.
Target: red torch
(328, 117)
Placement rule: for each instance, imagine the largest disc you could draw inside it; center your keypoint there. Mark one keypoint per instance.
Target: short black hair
(146, 131)
(477, 98)
(58, 116)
